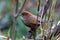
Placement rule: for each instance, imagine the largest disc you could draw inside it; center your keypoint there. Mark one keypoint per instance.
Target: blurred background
(21, 29)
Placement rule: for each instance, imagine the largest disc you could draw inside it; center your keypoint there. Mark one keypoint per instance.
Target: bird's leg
(29, 35)
(34, 34)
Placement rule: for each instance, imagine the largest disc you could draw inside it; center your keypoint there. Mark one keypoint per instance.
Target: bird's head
(26, 14)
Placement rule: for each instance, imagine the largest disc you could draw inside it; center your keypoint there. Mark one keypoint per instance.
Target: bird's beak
(21, 15)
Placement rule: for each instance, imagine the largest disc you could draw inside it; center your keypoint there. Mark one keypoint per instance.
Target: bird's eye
(23, 14)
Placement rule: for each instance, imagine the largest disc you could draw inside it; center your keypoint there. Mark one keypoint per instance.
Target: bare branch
(14, 11)
(38, 5)
(21, 8)
(16, 6)
(55, 30)
(44, 9)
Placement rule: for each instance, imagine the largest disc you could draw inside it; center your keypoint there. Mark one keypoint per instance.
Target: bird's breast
(31, 21)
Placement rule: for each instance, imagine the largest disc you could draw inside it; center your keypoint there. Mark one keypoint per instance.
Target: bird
(30, 21)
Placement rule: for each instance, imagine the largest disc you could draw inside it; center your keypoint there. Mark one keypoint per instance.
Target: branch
(55, 32)
(38, 5)
(15, 15)
(44, 9)
(16, 6)
(14, 11)
(21, 8)
(18, 13)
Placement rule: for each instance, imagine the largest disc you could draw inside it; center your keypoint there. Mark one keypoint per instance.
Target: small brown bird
(30, 21)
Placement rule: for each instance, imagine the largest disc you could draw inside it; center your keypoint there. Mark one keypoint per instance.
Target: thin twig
(50, 10)
(43, 11)
(51, 17)
(16, 6)
(38, 12)
(15, 15)
(46, 6)
(38, 5)
(14, 11)
(37, 18)
(21, 8)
